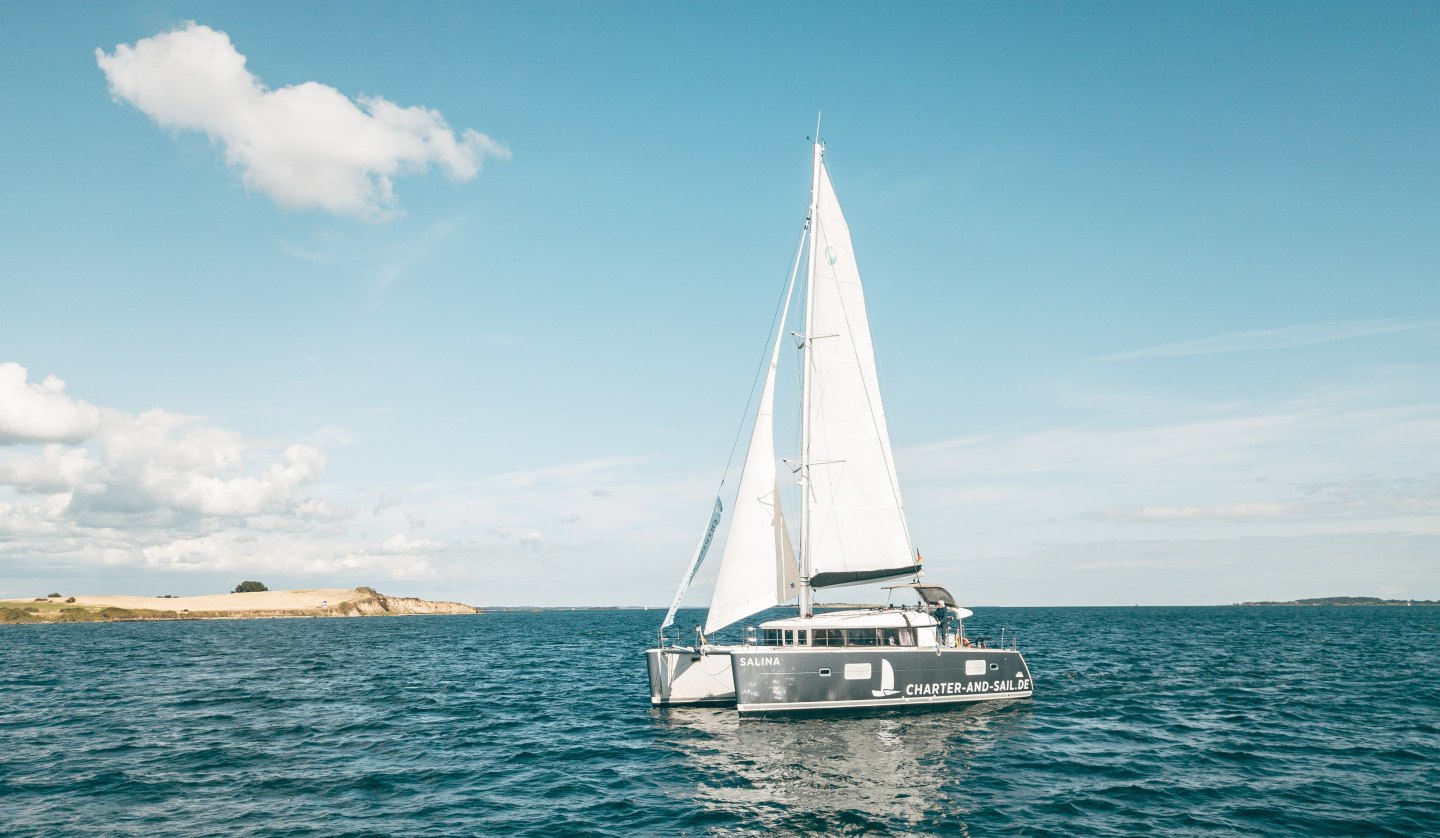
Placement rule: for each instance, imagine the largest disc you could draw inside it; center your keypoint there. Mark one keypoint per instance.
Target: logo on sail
(887, 681)
(830, 255)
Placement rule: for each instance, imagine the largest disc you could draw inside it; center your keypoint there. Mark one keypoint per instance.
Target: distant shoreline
(367, 602)
(1320, 601)
(1330, 601)
(315, 602)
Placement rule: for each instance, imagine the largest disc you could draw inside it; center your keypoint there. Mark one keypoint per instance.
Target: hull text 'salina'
(851, 527)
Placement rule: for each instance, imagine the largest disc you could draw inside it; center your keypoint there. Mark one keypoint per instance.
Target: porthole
(994, 667)
(825, 673)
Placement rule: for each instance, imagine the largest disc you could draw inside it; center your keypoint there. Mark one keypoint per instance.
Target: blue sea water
(1216, 721)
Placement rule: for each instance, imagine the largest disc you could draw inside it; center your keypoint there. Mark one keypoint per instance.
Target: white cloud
(1288, 337)
(1224, 511)
(318, 510)
(1340, 487)
(58, 468)
(625, 544)
(398, 543)
(1355, 500)
(159, 460)
(410, 253)
(160, 489)
(296, 555)
(41, 412)
(1339, 484)
(312, 256)
(306, 145)
(1222, 569)
(1245, 439)
(23, 522)
(384, 502)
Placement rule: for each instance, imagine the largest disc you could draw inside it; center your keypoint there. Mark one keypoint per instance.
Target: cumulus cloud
(163, 492)
(41, 412)
(158, 460)
(59, 468)
(162, 489)
(306, 145)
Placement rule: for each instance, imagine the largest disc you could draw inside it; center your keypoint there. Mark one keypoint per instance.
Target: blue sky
(1154, 288)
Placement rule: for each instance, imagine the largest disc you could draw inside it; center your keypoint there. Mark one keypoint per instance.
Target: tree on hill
(249, 587)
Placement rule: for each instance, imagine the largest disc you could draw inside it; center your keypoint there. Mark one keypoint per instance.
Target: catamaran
(852, 530)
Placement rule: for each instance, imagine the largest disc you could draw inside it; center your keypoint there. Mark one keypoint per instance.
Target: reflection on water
(888, 771)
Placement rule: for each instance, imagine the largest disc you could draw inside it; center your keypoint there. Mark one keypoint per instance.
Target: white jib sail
(757, 569)
(857, 523)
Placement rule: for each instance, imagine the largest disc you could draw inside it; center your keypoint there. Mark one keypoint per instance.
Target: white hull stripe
(884, 702)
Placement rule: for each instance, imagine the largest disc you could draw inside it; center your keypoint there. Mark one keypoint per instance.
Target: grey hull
(787, 680)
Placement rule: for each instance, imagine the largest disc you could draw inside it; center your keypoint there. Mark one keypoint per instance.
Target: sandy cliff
(315, 602)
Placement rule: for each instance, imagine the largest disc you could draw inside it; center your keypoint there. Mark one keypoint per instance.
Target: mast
(806, 593)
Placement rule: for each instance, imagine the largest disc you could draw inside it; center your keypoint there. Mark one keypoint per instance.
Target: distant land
(1350, 600)
(315, 602)
(574, 608)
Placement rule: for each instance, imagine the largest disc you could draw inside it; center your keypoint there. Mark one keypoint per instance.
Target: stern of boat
(685, 675)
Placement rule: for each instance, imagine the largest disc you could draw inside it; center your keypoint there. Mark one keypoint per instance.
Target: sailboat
(851, 527)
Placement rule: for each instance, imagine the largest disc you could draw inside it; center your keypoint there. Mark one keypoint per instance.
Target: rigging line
(764, 356)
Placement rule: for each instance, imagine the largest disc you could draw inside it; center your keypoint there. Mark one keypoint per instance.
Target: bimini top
(932, 595)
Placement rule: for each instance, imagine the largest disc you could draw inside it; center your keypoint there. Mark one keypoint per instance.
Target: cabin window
(860, 637)
(801, 637)
(829, 637)
(789, 637)
(771, 638)
(897, 637)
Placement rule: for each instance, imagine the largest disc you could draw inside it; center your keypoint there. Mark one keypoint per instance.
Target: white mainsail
(856, 529)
